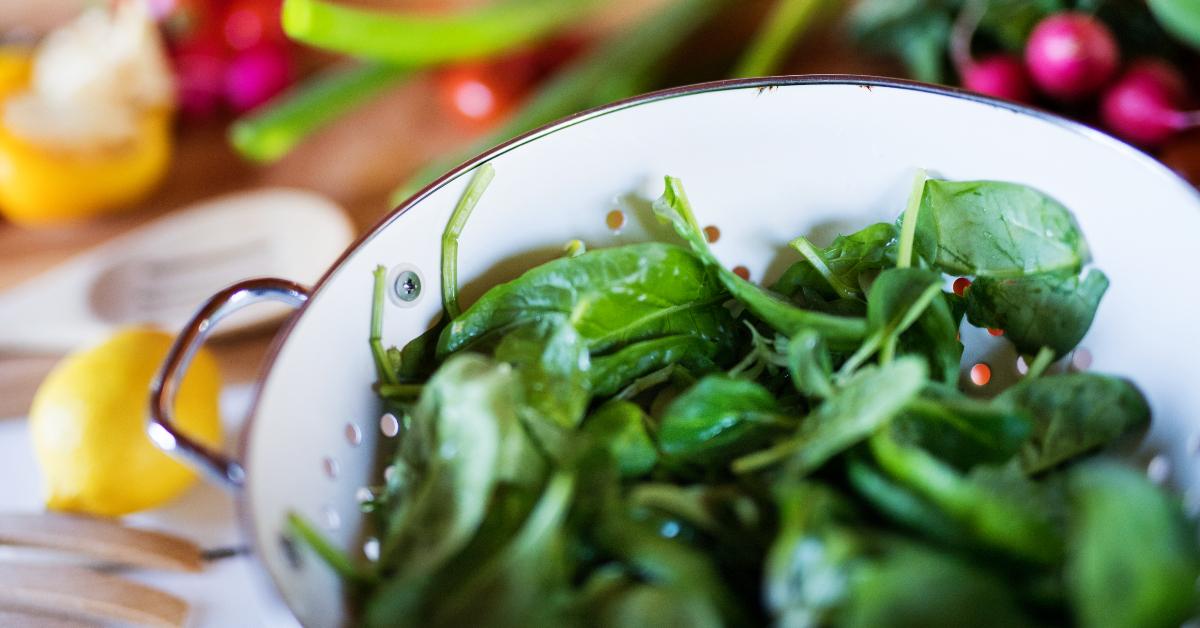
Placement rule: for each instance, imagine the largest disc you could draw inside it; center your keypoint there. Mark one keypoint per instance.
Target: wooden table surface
(355, 161)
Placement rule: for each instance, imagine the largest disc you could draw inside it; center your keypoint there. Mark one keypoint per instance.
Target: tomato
(482, 92)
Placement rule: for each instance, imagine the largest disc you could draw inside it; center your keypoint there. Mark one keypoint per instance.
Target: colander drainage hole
(331, 467)
(1159, 469)
(363, 495)
(353, 434)
(712, 234)
(288, 547)
(981, 374)
(1081, 359)
(389, 425)
(371, 549)
(615, 220)
(1022, 365)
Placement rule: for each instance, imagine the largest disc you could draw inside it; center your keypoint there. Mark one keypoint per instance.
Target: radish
(256, 75)
(1071, 55)
(997, 75)
(1144, 105)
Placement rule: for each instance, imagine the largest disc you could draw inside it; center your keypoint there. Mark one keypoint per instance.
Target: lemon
(88, 422)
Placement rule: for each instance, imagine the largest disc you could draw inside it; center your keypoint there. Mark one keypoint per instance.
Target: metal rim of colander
(243, 497)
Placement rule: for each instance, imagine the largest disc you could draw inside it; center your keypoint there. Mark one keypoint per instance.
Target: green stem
(383, 371)
(418, 40)
(908, 228)
(400, 392)
(466, 204)
(864, 353)
(335, 558)
(814, 257)
(624, 66)
(788, 20)
(1043, 360)
(270, 133)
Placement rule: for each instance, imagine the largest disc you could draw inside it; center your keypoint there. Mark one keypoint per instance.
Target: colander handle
(162, 428)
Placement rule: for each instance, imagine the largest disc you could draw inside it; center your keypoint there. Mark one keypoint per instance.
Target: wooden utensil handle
(77, 592)
(101, 540)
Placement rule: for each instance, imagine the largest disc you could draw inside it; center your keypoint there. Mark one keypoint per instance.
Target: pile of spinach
(638, 436)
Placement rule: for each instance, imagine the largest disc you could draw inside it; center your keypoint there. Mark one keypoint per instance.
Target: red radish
(256, 75)
(199, 77)
(1144, 105)
(1071, 55)
(997, 75)
(250, 23)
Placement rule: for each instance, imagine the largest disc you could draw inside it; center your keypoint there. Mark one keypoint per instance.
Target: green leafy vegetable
(620, 427)
(613, 298)
(998, 506)
(464, 422)
(782, 316)
(867, 402)
(849, 258)
(924, 588)
(996, 229)
(1041, 310)
(1134, 561)
(637, 436)
(718, 418)
(1074, 414)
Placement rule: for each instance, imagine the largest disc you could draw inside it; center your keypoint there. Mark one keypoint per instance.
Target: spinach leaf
(849, 259)
(924, 588)
(868, 401)
(525, 582)
(1133, 560)
(612, 297)
(670, 563)
(1041, 310)
(655, 606)
(935, 337)
(613, 371)
(996, 229)
(1074, 414)
(812, 565)
(961, 431)
(450, 459)
(620, 427)
(898, 297)
(718, 418)
(901, 505)
(785, 318)
(997, 506)
(809, 364)
(552, 366)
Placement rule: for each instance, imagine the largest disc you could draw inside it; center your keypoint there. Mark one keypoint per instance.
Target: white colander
(763, 161)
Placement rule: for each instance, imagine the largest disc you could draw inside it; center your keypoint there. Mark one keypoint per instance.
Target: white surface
(229, 593)
(763, 165)
(161, 272)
